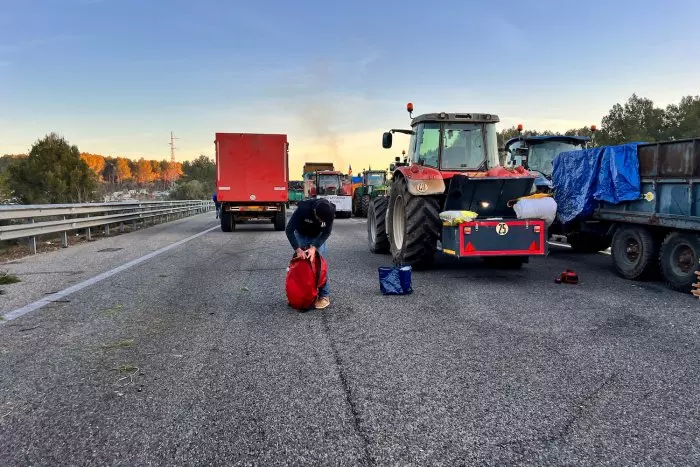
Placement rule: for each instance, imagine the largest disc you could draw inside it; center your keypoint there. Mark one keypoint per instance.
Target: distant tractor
(452, 165)
(332, 186)
(372, 181)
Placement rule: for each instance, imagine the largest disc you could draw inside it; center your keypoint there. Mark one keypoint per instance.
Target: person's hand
(300, 253)
(311, 253)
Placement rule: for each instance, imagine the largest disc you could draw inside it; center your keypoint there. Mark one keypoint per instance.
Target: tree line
(636, 120)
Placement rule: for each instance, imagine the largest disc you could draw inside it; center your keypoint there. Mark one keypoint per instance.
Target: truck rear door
(252, 167)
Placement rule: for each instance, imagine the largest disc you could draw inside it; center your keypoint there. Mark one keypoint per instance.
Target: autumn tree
(123, 170)
(53, 172)
(96, 163)
(144, 172)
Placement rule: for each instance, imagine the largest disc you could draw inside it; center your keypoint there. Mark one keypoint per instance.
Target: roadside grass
(7, 278)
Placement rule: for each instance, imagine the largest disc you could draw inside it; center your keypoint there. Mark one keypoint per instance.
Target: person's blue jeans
(305, 242)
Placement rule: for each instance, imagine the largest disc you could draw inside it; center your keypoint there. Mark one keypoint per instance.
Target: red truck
(252, 175)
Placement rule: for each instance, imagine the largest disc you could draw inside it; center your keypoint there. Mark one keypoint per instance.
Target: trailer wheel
(376, 225)
(634, 252)
(588, 243)
(364, 206)
(356, 204)
(679, 260)
(280, 220)
(413, 226)
(228, 223)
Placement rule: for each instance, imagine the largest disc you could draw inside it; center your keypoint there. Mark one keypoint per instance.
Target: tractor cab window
(463, 146)
(427, 144)
(328, 184)
(541, 156)
(375, 179)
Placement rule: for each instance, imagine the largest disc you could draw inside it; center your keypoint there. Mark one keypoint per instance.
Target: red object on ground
(567, 277)
(304, 278)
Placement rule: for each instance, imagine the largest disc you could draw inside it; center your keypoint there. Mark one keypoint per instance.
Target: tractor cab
(331, 185)
(537, 153)
(451, 142)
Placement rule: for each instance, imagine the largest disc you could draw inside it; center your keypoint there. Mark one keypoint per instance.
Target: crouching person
(309, 228)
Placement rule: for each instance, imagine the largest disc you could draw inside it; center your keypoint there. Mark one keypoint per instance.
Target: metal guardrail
(23, 218)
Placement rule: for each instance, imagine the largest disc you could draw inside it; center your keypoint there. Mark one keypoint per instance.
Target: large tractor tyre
(505, 262)
(364, 206)
(280, 220)
(376, 225)
(228, 223)
(679, 260)
(634, 252)
(588, 243)
(413, 226)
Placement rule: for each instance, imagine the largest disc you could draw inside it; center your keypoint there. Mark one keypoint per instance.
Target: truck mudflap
(495, 238)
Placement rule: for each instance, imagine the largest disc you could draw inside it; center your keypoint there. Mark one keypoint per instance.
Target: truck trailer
(252, 175)
(642, 199)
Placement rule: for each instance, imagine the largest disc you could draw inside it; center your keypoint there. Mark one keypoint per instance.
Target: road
(191, 356)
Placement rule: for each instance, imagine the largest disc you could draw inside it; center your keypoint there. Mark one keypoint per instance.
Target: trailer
(655, 226)
(252, 174)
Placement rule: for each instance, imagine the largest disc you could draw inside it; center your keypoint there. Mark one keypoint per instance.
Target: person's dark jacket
(304, 221)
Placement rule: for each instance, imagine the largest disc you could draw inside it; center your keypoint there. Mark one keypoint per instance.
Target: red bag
(304, 278)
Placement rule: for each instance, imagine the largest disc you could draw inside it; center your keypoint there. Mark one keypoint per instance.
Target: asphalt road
(192, 357)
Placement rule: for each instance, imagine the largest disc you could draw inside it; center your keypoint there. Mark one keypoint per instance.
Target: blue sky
(116, 76)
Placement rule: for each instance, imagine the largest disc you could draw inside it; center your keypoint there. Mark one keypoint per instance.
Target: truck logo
(649, 196)
(502, 228)
(252, 197)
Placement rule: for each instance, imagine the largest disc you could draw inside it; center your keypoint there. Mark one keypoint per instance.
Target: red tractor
(452, 165)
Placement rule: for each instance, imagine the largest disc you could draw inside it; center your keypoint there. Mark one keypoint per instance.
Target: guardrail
(63, 218)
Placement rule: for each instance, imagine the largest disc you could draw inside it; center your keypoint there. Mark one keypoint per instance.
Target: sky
(115, 77)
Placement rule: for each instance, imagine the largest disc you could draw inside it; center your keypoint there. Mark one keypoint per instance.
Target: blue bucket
(395, 280)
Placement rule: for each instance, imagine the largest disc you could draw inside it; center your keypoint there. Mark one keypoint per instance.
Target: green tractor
(373, 184)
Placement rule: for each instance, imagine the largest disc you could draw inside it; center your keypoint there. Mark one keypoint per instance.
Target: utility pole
(172, 147)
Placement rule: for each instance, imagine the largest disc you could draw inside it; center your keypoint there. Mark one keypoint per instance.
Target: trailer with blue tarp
(644, 198)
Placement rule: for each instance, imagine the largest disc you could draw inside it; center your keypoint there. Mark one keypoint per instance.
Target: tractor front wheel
(364, 206)
(413, 226)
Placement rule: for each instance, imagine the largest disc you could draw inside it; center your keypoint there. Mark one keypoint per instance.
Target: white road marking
(565, 245)
(14, 314)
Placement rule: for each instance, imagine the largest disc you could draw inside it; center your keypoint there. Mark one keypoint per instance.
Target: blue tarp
(583, 177)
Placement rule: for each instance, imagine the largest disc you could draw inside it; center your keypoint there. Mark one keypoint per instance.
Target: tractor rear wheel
(364, 206)
(376, 225)
(413, 226)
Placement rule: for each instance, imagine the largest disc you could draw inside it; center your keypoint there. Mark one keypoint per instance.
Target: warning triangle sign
(534, 247)
(470, 247)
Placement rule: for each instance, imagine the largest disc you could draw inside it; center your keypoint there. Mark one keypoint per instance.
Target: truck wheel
(376, 225)
(413, 226)
(364, 206)
(588, 243)
(356, 204)
(280, 220)
(228, 224)
(634, 252)
(679, 260)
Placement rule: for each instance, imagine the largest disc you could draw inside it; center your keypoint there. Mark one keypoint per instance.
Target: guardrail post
(88, 232)
(106, 230)
(64, 237)
(121, 227)
(32, 240)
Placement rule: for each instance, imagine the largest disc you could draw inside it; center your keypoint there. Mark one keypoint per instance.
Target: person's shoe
(321, 303)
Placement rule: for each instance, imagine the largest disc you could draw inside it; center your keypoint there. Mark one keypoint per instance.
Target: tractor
(332, 186)
(373, 182)
(452, 166)
(537, 153)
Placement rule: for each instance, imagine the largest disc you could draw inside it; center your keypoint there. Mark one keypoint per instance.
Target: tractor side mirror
(387, 140)
(392, 166)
